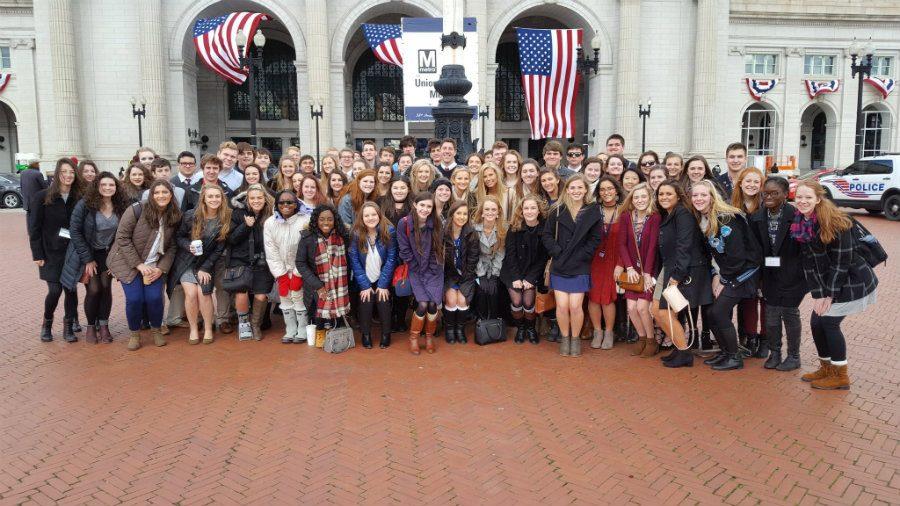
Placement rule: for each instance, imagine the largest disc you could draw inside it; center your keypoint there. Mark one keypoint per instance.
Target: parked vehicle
(815, 175)
(10, 191)
(872, 183)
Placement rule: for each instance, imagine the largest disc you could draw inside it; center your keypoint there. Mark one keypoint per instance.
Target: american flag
(385, 42)
(4, 80)
(216, 41)
(550, 79)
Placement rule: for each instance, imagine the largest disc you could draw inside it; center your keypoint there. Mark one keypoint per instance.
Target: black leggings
(425, 307)
(719, 314)
(827, 335)
(98, 299)
(384, 314)
(521, 298)
(70, 304)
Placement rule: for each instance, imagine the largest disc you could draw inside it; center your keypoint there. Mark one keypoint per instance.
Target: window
(377, 90)
(881, 66)
(276, 87)
(5, 62)
(818, 65)
(876, 131)
(510, 99)
(867, 167)
(760, 63)
(757, 130)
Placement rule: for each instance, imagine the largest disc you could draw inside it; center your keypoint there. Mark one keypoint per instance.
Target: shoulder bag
(339, 340)
(400, 281)
(622, 280)
(546, 301)
(240, 279)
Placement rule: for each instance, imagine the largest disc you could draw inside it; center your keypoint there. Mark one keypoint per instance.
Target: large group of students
(659, 254)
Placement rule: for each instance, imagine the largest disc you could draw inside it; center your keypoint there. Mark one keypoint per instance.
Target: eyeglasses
(648, 164)
(287, 203)
(187, 164)
(607, 190)
(574, 154)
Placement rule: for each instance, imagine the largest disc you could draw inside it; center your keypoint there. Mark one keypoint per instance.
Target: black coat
(682, 252)
(184, 259)
(32, 181)
(192, 195)
(738, 250)
(306, 266)
(239, 240)
(44, 223)
(836, 270)
(572, 246)
(526, 257)
(782, 286)
(83, 229)
(468, 262)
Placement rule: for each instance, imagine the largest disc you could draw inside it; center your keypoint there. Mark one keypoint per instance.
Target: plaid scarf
(331, 268)
(803, 230)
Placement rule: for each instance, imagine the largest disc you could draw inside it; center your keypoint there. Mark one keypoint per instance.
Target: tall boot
(68, 332)
(449, 325)
(461, 316)
(565, 346)
(731, 362)
(430, 327)
(290, 326)
(640, 345)
(823, 371)
(47, 330)
(838, 379)
(415, 330)
(575, 346)
(256, 317)
(134, 342)
(158, 339)
(103, 334)
(517, 315)
(302, 333)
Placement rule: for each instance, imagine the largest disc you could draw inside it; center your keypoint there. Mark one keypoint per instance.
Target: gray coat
(83, 229)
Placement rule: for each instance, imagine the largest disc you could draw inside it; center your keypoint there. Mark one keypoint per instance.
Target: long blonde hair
(832, 221)
(720, 212)
(565, 201)
(499, 189)
(223, 214)
(415, 186)
(500, 226)
(628, 203)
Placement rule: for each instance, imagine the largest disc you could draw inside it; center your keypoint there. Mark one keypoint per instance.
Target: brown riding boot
(430, 327)
(822, 372)
(837, 379)
(256, 318)
(639, 346)
(415, 330)
(651, 348)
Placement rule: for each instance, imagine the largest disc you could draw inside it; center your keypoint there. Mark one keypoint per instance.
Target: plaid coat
(835, 270)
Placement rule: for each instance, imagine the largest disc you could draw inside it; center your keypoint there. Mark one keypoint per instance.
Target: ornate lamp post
(453, 116)
(860, 68)
(586, 66)
(644, 113)
(251, 62)
(483, 114)
(139, 114)
(316, 115)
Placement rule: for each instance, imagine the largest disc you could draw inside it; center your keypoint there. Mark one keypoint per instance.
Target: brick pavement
(265, 423)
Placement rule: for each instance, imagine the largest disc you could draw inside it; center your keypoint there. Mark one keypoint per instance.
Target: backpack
(866, 245)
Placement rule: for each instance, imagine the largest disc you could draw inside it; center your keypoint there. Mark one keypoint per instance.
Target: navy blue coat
(388, 256)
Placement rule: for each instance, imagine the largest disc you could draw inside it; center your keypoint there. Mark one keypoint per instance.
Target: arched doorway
(876, 130)
(758, 129)
(9, 144)
(817, 134)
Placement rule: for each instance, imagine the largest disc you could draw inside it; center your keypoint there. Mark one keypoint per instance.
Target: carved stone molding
(741, 50)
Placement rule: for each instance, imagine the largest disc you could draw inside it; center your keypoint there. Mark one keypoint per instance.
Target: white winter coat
(281, 238)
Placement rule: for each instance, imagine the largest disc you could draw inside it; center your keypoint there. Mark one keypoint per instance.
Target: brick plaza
(266, 423)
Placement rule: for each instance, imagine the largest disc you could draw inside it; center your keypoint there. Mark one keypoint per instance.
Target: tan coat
(134, 238)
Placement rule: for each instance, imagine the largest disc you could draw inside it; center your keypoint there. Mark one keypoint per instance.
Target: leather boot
(651, 348)
(520, 329)
(134, 342)
(90, 334)
(430, 327)
(367, 341)
(774, 360)
(671, 356)
(461, 316)
(565, 345)
(732, 361)
(762, 349)
(530, 331)
(639, 346)
(415, 330)
(597, 338)
(385, 341)
(791, 363)
(256, 317)
(76, 327)
(103, 334)
(683, 358)
(722, 355)
(449, 326)
(68, 332)
(838, 379)
(554, 336)
(823, 371)
(47, 330)
(575, 347)
(158, 339)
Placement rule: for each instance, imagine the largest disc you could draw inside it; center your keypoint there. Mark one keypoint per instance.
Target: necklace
(606, 228)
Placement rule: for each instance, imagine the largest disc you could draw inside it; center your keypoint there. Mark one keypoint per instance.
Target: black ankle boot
(520, 332)
(531, 332)
(761, 350)
(68, 331)
(722, 355)
(732, 361)
(367, 341)
(790, 363)
(671, 356)
(682, 358)
(385, 341)
(774, 360)
(554, 335)
(75, 326)
(47, 330)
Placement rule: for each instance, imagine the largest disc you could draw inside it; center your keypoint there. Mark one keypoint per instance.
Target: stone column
(629, 69)
(318, 57)
(339, 106)
(153, 73)
(65, 89)
(706, 75)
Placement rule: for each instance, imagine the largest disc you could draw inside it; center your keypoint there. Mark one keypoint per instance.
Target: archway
(758, 125)
(876, 129)
(818, 131)
(9, 144)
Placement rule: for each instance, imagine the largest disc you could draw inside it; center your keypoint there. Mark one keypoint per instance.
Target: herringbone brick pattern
(265, 423)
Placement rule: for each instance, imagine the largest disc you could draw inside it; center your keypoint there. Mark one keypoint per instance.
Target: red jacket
(628, 253)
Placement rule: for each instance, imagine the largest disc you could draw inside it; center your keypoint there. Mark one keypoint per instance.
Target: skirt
(853, 306)
(571, 284)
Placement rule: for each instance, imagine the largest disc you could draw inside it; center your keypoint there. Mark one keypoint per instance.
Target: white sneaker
(245, 332)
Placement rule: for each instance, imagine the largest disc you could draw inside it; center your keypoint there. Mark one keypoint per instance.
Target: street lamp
(483, 114)
(860, 71)
(644, 113)
(139, 114)
(251, 62)
(587, 65)
(316, 115)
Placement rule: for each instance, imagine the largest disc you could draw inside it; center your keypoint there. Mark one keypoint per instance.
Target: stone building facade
(76, 64)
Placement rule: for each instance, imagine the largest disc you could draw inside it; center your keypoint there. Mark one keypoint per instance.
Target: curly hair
(339, 227)
(518, 220)
(94, 201)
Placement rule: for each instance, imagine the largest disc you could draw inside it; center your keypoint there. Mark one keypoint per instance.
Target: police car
(872, 183)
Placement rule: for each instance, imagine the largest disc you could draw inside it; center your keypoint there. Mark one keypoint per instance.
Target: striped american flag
(4, 80)
(548, 59)
(216, 42)
(385, 42)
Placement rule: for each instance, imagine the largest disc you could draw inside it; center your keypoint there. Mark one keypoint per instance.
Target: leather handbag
(489, 331)
(622, 279)
(239, 279)
(676, 303)
(339, 340)
(544, 301)
(402, 288)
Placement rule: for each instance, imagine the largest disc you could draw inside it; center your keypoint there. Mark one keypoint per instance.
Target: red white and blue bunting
(816, 88)
(759, 87)
(883, 85)
(4, 80)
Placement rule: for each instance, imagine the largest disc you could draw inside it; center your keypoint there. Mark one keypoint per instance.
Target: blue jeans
(138, 296)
